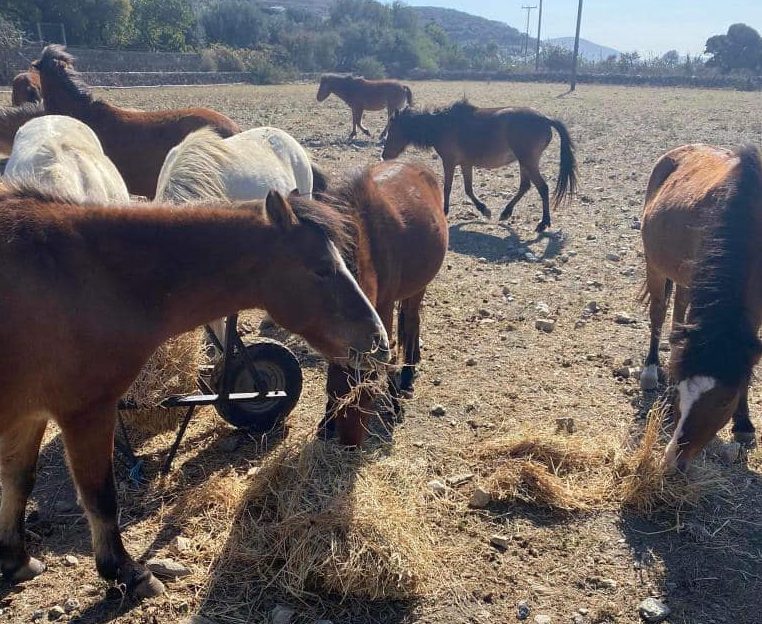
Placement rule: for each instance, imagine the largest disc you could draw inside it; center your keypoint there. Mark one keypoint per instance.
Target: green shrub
(370, 67)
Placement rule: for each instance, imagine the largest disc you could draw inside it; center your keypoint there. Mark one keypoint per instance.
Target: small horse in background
(136, 141)
(361, 95)
(87, 294)
(62, 155)
(702, 229)
(12, 118)
(400, 241)
(465, 135)
(26, 88)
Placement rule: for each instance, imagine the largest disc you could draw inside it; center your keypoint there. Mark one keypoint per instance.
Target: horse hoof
(541, 227)
(33, 567)
(649, 378)
(486, 212)
(505, 215)
(148, 587)
(747, 439)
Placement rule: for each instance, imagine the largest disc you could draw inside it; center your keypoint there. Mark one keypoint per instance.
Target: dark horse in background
(702, 232)
(26, 88)
(361, 95)
(136, 141)
(465, 135)
(400, 241)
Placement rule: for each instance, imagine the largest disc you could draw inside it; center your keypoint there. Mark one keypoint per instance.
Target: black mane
(721, 342)
(58, 64)
(423, 127)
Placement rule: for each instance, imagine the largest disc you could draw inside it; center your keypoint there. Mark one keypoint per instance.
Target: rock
(484, 313)
(653, 611)
(56, 612)
(438, 410)
(436, 382)
(602, 583)
(471, 362)
(623, 372)
(70, 561)
(530, 257)
(583, 611)
(522, 610)
(500, 541)
(252, 472)
(592, 307)
(613, 257)
(545, 325)
(479, 499)
(565, 424)
(38, 614)
(578, 619)
(71, 604)
(437, 487)
(282, 615)
(543, 309)
(459, 479)
(542, 619)
(622, 318)
(180, 544)
(167, 568)
(580, 323)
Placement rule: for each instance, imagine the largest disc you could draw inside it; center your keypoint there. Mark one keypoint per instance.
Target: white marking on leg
(649, 378)
(690, 390)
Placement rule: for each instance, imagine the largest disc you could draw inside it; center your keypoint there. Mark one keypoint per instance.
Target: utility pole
(529, 10)
(539, 30)
(573, 84)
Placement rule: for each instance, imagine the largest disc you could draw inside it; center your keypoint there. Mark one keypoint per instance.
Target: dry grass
(171, 370)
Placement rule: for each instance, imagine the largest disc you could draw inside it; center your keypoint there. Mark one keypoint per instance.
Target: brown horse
(465, 135)
(136, 141)
(12, 118)
(361, 95)
(26, 88)
(400, 244)
(702, 227)
(87, 293)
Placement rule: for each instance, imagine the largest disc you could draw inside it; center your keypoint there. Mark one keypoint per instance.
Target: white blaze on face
(690, 391)
(384, 345)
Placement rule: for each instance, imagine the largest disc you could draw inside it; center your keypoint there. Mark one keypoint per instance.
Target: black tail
(320, 182)
(566, 186)
(408, 95)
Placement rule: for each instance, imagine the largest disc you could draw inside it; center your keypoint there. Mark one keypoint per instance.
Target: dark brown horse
(88, 293)
(702, 229)
(400, 243)
(361, 95)
(465, 135)
(136, 141)
(12, 118)
(26, 88)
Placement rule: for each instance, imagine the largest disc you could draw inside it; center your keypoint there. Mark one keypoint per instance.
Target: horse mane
(424, 126)
(57, 63)
(195, 171)
(721, 342)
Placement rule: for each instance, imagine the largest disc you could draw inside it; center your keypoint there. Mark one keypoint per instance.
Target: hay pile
(171, 370)
(323, 520)
(563, 474)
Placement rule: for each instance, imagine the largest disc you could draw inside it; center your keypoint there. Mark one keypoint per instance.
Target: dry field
(493, 373)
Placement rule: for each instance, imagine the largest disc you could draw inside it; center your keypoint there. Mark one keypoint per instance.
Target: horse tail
(566, 186)
(644, 296)
(320, 182)
(408, 94)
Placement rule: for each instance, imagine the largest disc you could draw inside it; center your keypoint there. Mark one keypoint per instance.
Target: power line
(529, 10)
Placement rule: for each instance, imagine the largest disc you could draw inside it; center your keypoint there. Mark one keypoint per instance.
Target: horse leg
(743, 428)
(680, 305)
(449, 174)
(409, 328)
(389, 113)
(659, 290)
(468, 185)
(19, 449)
(542, 188)
(353, 134)
(360, 112)
(524, 186)
(89, 441)
(347, 422)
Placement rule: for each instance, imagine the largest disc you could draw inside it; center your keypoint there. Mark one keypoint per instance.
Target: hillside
(587, 49)
(464, 28)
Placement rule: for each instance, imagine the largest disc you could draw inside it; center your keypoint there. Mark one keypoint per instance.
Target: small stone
(479, 499)
(530, 257)
(543, 309)
(167, 568)
(653, 611)
(613, 257)
(38, 614)
(484, 313)
(500, 541)
(542, 619)
(89, 590)
(437, 487)
(583, 611)
(180, 544)
(436, 382)
(565, 424)
(580, 323)
(459, 479)
(471, 362)
(602, 583)
(56, 612)
(282, 615)
(622, 318)
(522, 610)
(592, 307)
(545, 325)
(577, 619)
(438, 410)
(70, 561)
(71, 604)
(623, 372)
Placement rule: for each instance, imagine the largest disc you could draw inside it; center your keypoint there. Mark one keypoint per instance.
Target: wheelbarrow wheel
(280, 371)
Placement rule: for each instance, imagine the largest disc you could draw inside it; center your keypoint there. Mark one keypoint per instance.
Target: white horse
(64, 156)
(242, 167)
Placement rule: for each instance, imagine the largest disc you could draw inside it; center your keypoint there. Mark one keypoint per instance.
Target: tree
(162, 24)
(740, 48)
(671, 58)
(235, 23)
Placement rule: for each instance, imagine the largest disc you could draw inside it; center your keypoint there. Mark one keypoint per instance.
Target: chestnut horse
(12, 118)
(361, 95)
(465, 135)
(87, 294)
(26, 88)
(137, 141)
(400, 244)
(702, 228)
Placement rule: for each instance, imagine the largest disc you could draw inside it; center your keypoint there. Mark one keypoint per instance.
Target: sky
(653, 26)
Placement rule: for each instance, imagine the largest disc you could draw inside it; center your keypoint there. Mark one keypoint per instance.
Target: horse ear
(279, 211)
(294, 193)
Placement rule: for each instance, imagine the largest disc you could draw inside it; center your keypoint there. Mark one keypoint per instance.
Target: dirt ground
(490, 369)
